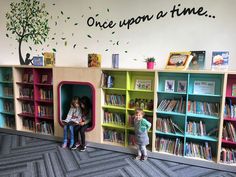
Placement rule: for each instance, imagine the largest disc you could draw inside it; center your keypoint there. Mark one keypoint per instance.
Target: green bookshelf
(129, 89)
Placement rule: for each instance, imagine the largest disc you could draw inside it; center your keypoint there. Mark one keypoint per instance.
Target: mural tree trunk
(27, 20)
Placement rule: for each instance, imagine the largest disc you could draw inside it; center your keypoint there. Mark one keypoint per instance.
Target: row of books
(107, 80)
(172, 146)
(115, 100)
(228, 132)
(230, 110)
(141, 103)
(207, 108)
(198, 150)
(7, 77)
(131, 139)
(28, 124)
(114, 118)
(113, 136)
(166, 125)
(45, 94)
(28, 78)
(45, 111)
(44, 128)
(174, 105)
(196, 128)
(8, 106)
(26, 93)
(228, 155)
(8, 91)
(9, 121)
(27, 108)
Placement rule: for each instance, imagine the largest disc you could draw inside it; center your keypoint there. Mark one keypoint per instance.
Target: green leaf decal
(89, 36)
(74, 45)
(54, 50)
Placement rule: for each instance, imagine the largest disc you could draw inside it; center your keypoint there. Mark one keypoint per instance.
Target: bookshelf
(122, 92)
(7, 110)
(188, 113)
(34, 99)
(228, 141)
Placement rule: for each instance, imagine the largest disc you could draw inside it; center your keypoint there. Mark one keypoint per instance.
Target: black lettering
(92, 21)
(161, 14)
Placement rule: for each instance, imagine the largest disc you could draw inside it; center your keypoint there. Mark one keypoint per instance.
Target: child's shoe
(82, 148)
(144, 157)
(64, 145)
(137, 157)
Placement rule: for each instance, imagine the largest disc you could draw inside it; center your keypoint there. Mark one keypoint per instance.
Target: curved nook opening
(67, 90)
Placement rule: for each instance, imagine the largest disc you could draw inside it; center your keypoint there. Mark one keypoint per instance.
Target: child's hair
(137, 110)
(87, 105)
(75, 100)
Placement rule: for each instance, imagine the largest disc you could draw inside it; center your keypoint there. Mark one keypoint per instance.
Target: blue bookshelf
(7, 110)
(200, 97)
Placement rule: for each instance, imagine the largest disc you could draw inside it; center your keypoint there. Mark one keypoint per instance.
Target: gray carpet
(22, 156)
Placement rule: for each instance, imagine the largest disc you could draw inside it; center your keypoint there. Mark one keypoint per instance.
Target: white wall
(154, 38)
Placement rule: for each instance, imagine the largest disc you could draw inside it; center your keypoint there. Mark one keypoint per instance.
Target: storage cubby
(67, 90)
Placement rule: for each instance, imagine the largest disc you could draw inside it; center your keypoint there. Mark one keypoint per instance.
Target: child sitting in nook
(83, 125)
(141, 127)
(73, 118)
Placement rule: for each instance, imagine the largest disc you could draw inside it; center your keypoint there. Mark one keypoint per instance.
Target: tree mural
(28, 20)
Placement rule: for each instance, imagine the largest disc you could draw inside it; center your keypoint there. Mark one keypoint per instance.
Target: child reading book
(73, 118)
(141, 127)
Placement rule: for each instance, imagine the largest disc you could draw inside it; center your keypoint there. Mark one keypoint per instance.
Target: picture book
(94, 60)
(38, 61)
(169, 85)
(25, 77)
(204, 87)
(179, 60)
(234, 89)
(220, 60)
(49, 58)
(182, 86)
(44, 78)
(198, 60)
(143, 84)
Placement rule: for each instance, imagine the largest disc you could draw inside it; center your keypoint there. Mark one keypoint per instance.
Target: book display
(34, 99)
(7, 110)
(220, 60)
(129, 90)
(187, 118)
(193, 114)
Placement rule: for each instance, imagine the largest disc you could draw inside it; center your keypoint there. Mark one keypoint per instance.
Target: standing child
(141, 127)
(73, 118)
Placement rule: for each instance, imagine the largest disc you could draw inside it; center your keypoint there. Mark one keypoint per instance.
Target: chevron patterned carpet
(22, 156)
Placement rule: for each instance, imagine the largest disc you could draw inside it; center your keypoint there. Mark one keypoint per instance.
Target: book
(179, 60)
(204, 87)
(169, 85)
(44, 78)
(182, 86)
(31, 78)
(38, 61)
(143, 84)
(198, 60)
(94, 60)
(25, 77)
(49, 59)
(220, 60)
(233, 89)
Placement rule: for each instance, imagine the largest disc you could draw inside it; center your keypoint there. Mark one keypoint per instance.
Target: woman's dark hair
(87, 105)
